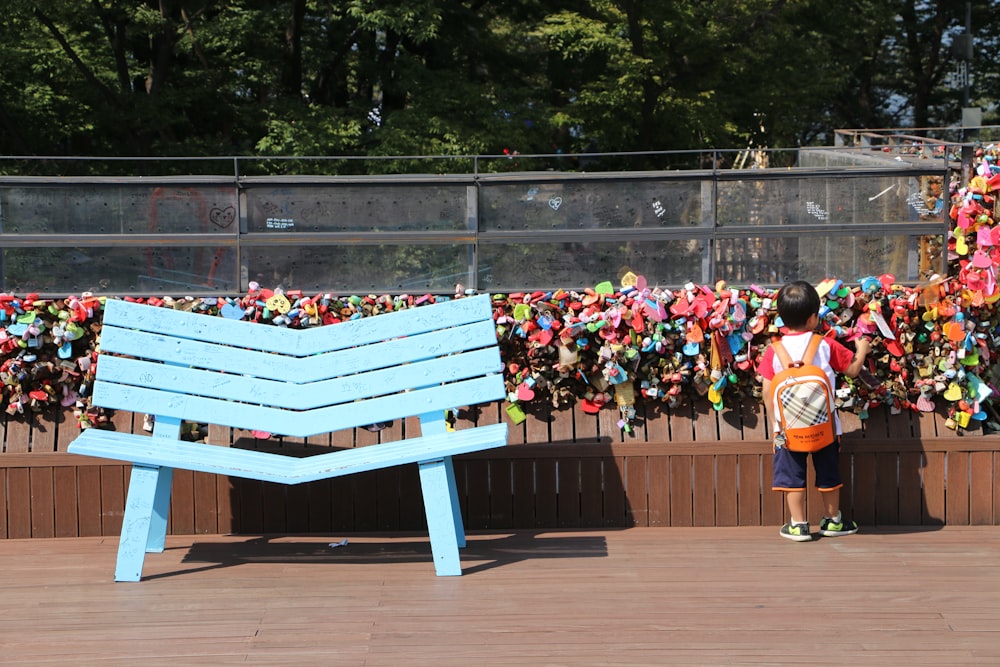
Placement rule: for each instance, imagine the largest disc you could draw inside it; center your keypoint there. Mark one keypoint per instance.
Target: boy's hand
(862, 347)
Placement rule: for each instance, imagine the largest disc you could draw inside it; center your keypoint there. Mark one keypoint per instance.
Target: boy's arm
(862, 347)
(765, 368)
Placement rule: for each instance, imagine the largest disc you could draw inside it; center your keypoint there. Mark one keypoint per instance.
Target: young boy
(798, 305)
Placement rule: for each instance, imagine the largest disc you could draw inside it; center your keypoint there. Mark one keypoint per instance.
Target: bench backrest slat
(347, 375)
(386, 354)
(302, 342)
(306, 423)
(295, 396)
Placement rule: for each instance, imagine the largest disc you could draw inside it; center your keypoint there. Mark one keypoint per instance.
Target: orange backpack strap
(811, 348)
(786, 360)
(781, 353)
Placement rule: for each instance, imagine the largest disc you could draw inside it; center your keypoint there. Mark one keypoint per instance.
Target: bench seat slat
(299, 424)
(279, 468)
(229, 386)
(300, 343)
(322, 366)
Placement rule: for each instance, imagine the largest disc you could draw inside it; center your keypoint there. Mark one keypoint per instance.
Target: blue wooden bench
(182, 366)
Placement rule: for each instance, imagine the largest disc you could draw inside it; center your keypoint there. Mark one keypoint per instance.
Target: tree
(441, 77)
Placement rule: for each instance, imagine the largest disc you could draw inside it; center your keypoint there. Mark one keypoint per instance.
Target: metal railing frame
(479, 177)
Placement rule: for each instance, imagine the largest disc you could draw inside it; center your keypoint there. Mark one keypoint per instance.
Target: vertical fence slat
(66, 429)
(658, 470)
(754, 419)
(886, 488)
(568, 507)
(546, 509)
(251, 504)
(561, 425)
(864, 488)
(516, 433)
(227, 500)
(477, 476)
(956, 491)
(524, 492)
(910, 493)
(300, 509)
(43, 513)
(388, 498)
(88, 485)
(43, 432)
(981, 488)
(617, 511)
(536, 426)
(681, 491)
(637, 479)
(656, 421)
(342, 503)
(411, 510)
(726, 501)
(501, 495)
(704, 492)
(18, 503)
(682, 428)
(4, 490)
(182, 503)
(591, 492)
(113, 490)
(934, 491)
(585, 427)
(995, 483)
(275, 507)
(365, 498)
(750, 491)
(320, 506)
(64, 493)
(773, 510)
(847, 477)
(17, 435)
(607, 424)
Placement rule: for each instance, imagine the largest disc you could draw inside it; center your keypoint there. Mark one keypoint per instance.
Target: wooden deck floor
(642, 596)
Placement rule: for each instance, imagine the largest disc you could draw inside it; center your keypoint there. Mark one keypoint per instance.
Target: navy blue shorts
(790, 468)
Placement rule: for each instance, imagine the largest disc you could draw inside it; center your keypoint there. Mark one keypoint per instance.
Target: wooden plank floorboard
(639, 596)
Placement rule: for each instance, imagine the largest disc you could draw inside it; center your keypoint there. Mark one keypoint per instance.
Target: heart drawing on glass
(222, 217)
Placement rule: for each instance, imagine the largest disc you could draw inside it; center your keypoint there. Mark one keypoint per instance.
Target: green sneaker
(829, 528)
(799, 532)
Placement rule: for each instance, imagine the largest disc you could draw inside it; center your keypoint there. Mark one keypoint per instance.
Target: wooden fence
(563, 469)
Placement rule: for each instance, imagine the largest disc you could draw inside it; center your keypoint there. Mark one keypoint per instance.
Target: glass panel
(868, 200)
(520, 266)
(360, 207)
(118, 209)
(360, 268)
(778, 260)
(594, 205)
(113, 270)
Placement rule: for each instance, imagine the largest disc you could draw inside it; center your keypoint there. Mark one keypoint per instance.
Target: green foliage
(438, 77)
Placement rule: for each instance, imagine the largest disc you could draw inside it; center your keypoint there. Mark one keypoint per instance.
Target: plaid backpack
(802, 399)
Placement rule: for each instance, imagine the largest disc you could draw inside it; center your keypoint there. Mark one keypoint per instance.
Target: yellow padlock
(278, 304)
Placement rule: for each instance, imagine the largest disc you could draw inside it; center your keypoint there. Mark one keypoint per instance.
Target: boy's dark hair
(797, 302)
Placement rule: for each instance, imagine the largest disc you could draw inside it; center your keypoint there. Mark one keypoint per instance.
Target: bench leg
(142, 492)
(437, 482)
(161, 509)
(456, 508)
